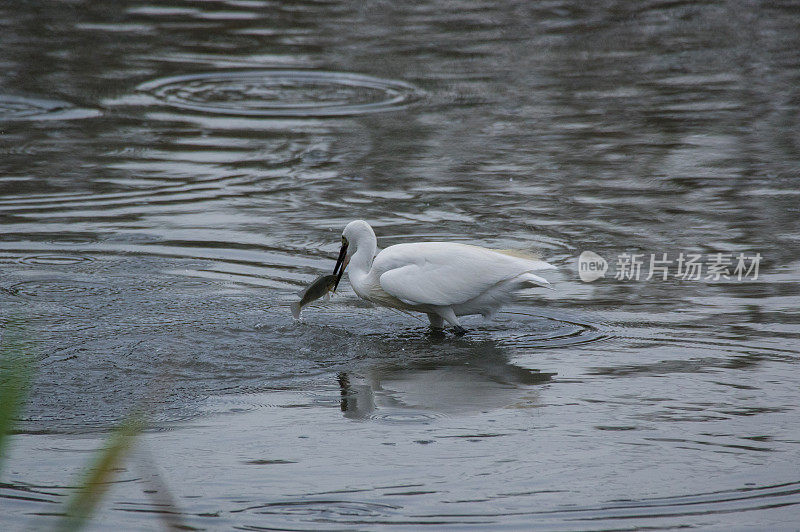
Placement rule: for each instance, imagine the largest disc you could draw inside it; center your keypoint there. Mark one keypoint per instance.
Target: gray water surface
(172, 173)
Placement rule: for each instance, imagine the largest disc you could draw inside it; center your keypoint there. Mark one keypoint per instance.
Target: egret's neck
(361, 261)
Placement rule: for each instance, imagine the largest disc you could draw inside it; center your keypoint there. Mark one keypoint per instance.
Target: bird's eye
(344, 240)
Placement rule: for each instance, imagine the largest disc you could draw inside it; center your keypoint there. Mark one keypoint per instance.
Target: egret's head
(356, 232)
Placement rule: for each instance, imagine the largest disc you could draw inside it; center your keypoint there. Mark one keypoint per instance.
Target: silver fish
(320, 287)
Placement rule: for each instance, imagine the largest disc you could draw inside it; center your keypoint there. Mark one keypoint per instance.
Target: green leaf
(16, 372)
(99, 475)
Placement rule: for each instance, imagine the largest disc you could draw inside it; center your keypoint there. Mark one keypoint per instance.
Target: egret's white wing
(443, 273)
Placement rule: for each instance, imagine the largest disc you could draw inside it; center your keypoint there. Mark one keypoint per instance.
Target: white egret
(444, 280)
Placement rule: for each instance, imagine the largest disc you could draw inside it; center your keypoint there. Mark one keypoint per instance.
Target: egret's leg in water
(450, 317)
(436, 321)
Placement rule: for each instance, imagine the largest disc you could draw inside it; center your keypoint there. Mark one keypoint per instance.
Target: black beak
(338, 271)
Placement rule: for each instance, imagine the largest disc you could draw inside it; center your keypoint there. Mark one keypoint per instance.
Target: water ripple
(406, 416)
(726, 501)
(324, 510)
(282, 93)
(552, 332)
(56, 290)
(54, 260)
(26, 108)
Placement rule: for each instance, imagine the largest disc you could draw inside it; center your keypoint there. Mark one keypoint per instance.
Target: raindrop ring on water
(54, 260)
(276, 93)
(53, 290)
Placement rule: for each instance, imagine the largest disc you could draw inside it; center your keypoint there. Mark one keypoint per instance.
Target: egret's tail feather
(529, 279)
(296, 310)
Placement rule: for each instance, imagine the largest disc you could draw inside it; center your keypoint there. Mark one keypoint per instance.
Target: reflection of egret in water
(438, 376)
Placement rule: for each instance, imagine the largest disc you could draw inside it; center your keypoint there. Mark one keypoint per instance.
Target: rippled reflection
(456, 380)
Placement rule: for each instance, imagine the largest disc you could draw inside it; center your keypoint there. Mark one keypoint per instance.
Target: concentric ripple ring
(278, 93)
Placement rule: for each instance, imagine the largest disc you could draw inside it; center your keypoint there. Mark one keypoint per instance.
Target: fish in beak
(341, 264)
